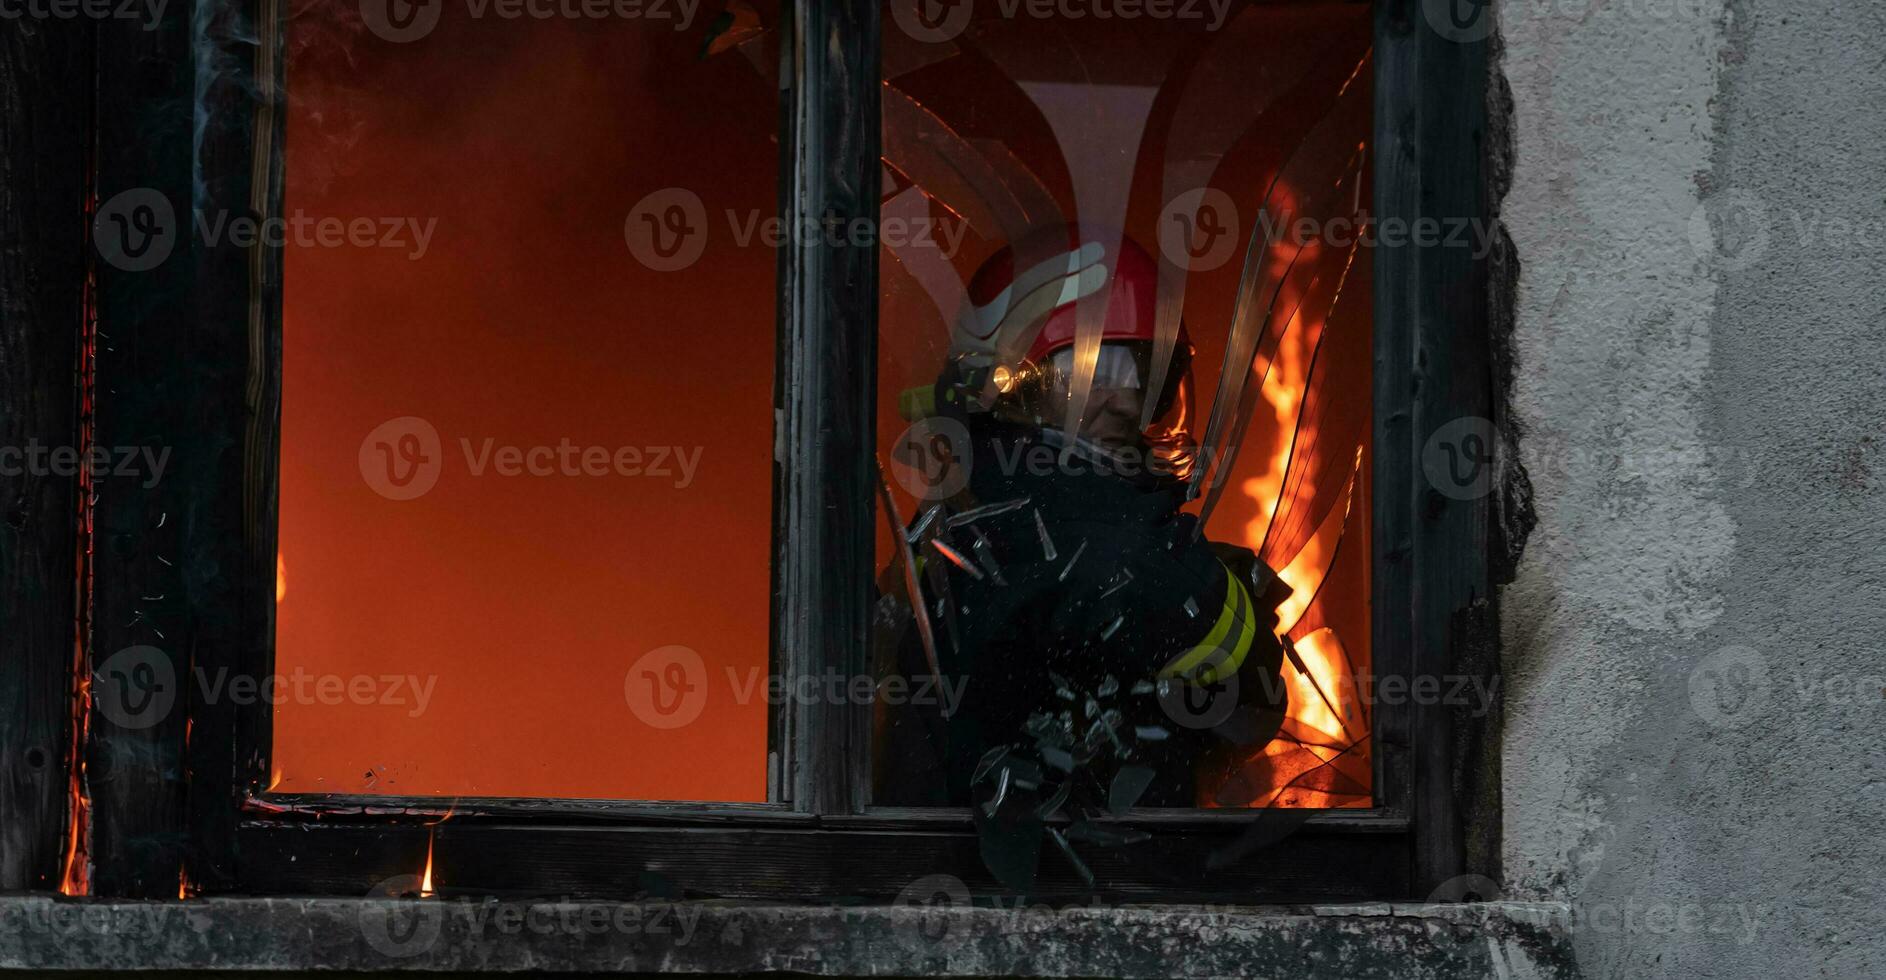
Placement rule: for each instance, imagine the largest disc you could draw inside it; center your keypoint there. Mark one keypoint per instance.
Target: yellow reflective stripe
(1192, 665)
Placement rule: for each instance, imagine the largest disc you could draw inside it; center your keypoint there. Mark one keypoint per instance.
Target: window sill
(288, 934)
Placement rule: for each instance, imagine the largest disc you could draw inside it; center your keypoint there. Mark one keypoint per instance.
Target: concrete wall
(1694, 753)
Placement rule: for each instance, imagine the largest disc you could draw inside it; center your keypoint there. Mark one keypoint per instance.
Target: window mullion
(828, 344)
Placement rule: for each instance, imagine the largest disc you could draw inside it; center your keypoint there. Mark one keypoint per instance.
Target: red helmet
(1062, 269)
(1023, 306)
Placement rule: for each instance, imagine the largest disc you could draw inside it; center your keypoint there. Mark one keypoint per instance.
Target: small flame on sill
(432, 836)
(425, 880)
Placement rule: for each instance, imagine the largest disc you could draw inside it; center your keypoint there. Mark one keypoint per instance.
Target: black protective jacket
(1054, 580)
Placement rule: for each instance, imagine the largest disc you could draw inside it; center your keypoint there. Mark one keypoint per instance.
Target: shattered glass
(1160, 598)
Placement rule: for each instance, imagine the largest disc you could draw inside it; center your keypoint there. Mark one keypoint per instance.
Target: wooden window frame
(191, 360)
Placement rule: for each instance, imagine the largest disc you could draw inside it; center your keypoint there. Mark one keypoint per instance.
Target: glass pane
(1125, 411)
(527, 422)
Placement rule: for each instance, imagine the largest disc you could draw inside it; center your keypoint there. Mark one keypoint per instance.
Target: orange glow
(1328, 692)
(1283, 390)
(74, 869)
(281, 578)
(520, 603)
(1306, 571)
(1313, 434)
(75, 872)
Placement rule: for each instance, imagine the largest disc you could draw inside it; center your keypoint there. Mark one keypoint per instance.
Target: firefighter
(1091, 627)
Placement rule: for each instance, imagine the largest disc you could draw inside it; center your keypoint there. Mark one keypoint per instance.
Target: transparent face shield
(1119, 402)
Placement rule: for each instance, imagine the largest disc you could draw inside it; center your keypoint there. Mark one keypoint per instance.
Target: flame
(75, 865)
(432, 836)
(75, 871)
(1327, 689)
(425, 880)
(1306, 571)
(1283, 390)
(1323, 741)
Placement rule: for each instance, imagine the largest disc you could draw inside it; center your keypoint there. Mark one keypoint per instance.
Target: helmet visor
(1117, 366)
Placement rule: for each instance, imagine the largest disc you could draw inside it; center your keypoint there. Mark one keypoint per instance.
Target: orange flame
(432, 836)
(425, 880)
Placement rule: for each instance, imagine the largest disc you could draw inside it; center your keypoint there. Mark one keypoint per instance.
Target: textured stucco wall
(1694, 753)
